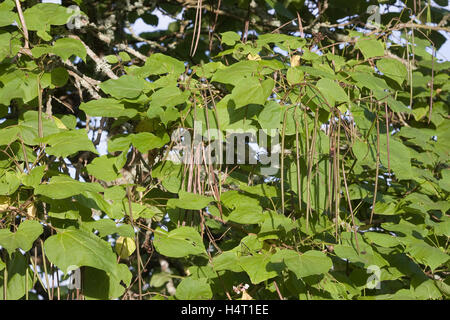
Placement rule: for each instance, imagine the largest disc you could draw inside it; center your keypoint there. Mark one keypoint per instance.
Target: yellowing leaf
(295, 61)
(31, 211)
(4, 203)
(246, 296)
(125, 247)
(252, 57)
(59, 123)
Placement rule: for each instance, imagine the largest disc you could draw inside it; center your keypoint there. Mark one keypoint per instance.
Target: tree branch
(101, 64)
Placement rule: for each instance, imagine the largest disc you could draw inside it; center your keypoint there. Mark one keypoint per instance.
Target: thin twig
(350, 207)
(22, 22)
(137, 243)
(376, 171)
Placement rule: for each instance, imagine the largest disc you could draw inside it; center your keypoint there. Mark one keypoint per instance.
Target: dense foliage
(344, 195)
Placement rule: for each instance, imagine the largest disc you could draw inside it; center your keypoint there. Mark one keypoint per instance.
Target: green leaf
(208, 69)
(233, 199)
(393, 69)
(120, 143)
(115, 193)
(442, 228)
(160, 279)
(262, 189)
(294, 76)
(270, 116)
(397, 105)
(168, 97)
(29, 127)
(426, 254)
(109, 227)
(18, 276)
(33, 179)
(230, 38)
(146, 141)
(71, 249)
(138, 210)
(125, 57)
(179, 242)
(369, 81)
(9, 183)
(381, 239)
(190, 201)
(399, 155)
(236, 72)
(276, 223)
(370, 47)
(244, 209)
(79, 141)
(62, 209)
(42, 15)
(385, 208)
(44, 35)
(95, 200)
(443, 287)
(106, 107)
(258, 267)
(170, 175)
(8, 135)
(365, 257)
(98, 284)
(251, 91)
(310, 263)
(332, 91)
(444, 183)
(124, 87)
(61, 187)
(200, 272)
(426, 290)
(246, 214)
(193, 289)
(67, 47)
(107, 168)
(112, 59)
(159, 63)
(59, 77)
(7, 17)
(405, 228)
(228, 260)
(16, 84)
(27, 232)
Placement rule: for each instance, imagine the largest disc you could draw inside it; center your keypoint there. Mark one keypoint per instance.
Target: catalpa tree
(249, 150)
